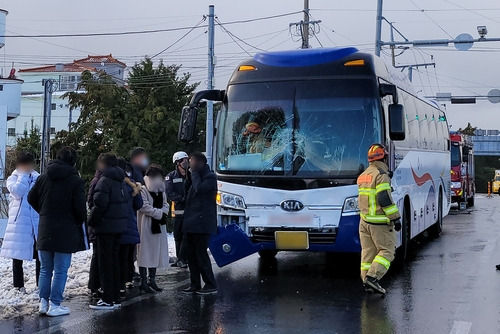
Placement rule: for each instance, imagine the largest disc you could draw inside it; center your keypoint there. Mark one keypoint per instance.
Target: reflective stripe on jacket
(374, 195)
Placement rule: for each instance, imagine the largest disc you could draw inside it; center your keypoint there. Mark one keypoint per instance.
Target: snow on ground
(15, 303)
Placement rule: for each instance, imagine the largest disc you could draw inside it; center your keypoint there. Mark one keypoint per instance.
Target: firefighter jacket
(175, 184)
(374, 195)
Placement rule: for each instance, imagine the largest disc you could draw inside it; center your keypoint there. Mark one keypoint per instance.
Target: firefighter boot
(373, 283)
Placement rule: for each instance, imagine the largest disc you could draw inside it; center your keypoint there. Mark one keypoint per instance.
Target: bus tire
(268, 254)
(403, 252)
(436, 229)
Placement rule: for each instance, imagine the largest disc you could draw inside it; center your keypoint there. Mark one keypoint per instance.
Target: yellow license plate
(291, 240)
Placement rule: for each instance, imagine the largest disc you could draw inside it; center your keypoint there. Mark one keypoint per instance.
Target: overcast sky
(344, 23)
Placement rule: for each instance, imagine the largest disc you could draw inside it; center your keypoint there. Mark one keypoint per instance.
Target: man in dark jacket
(200, 221)
(108, 218)
(139, 160)
(130, 237)
(174, 185)
(59, 197)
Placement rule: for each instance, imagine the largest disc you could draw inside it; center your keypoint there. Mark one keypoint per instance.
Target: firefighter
(379, 219)
(175, 193)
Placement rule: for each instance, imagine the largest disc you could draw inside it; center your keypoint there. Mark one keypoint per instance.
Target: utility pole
(48, 85)
(305, 26)
(378, 29)
(302, 27)
(210, 85)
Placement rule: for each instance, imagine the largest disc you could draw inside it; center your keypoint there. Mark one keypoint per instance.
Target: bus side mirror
(187, 125)
(397, 129)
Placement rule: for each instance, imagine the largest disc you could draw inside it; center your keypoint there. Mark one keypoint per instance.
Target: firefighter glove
(397, 225)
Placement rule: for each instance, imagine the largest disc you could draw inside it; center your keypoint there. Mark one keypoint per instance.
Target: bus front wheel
(403, 252)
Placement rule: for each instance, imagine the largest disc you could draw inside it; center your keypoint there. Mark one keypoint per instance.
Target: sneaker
(101, 305)
(190, 290)
(373, 283)
(44, 306)
(129, 285)
(175, 264)
(117, 305)
(57, 310)
(207, 291)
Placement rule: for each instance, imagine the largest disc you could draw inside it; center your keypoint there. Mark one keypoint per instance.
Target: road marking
(77, 321)
(461, 327)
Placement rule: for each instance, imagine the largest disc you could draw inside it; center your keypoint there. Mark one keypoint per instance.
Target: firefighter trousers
(378, 247)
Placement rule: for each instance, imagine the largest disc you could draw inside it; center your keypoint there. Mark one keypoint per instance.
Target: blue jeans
(53, 274)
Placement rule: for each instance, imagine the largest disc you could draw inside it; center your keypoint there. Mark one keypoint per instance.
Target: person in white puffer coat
(19, 242)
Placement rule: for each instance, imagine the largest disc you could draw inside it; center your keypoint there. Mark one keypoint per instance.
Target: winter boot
(152, 280)
(144, 287)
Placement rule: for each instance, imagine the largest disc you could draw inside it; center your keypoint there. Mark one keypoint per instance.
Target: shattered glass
(308, 128)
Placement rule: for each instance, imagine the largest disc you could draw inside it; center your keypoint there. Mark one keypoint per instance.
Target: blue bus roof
(303, 57)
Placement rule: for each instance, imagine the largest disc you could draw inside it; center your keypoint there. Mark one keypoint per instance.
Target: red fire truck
(463, 187)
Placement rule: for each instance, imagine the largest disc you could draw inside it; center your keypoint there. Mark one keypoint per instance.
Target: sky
(343, 23)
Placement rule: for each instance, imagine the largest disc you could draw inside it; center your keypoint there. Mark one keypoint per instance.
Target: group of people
(123, 216)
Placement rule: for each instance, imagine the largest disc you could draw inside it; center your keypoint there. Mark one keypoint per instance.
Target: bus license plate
(291, 240)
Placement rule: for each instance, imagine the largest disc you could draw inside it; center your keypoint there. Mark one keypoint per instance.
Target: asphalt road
(449, 286)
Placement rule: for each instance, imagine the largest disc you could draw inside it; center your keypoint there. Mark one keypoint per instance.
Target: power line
(404, 10)
(140, 32)
(233, 37)
(430, 18)
(474, 11)
(182, 37)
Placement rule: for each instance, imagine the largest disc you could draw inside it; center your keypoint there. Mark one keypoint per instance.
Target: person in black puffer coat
(59, 197)
(94, 283)
(200, 222)
(109, 218)
(130, 237)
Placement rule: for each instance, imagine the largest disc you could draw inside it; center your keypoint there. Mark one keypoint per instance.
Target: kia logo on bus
(291, 205)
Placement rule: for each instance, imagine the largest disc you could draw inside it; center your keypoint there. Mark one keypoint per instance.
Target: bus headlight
(351, 205)
(230, 201)
(456, 185)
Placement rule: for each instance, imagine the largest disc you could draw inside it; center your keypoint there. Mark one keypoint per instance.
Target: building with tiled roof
(66, 76)
(71, 67)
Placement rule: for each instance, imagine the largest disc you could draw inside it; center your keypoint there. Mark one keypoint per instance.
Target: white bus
(292, 138)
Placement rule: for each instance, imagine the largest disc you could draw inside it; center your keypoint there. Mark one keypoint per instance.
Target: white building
(66, 78)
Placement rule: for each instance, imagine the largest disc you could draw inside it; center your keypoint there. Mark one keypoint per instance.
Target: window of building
(52, 131)
(11, 131)
(53, 106)
(68, 82)
(1, 88)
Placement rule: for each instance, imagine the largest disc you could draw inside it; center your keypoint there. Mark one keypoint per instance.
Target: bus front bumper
(232, 244)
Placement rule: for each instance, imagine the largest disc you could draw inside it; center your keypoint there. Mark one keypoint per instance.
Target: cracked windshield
(306, 129)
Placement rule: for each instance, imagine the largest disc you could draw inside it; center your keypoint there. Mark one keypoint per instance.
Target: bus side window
(412, 118)
(423, 124)
(432, 129)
